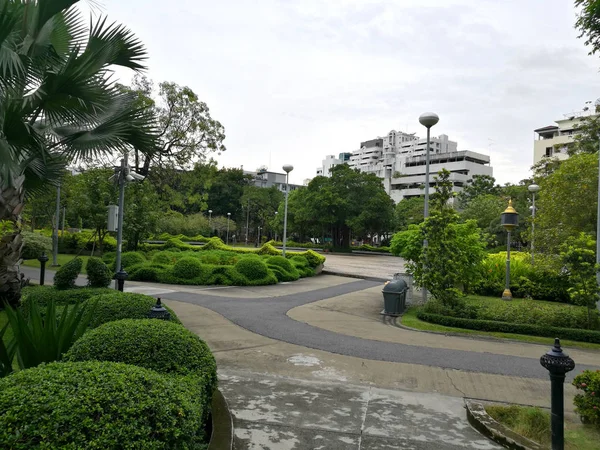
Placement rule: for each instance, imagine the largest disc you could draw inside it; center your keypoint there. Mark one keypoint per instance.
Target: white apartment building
(331, 161)
(554, 140)
(399, 159)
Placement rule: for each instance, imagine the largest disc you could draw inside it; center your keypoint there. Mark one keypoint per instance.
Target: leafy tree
(578, 254)
(485, 210)
(454, 251)
(225, 192)
(141, 213)
(58, 101)
(409, 211)
(476, 186)
(259, 205)
(588, 23)
(187, 131)
(567, 201)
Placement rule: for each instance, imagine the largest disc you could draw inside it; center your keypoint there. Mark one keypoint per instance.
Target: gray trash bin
(394, 297)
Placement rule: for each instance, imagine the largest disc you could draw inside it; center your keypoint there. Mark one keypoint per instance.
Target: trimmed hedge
(65, 276)
(283, 269)
(165, 347)
(42, 295)
(34, 244)
(98, 273)
(517, 328)
(129, 259)
(252, 268)
(99, 405)
(123, 305)
(188, 268)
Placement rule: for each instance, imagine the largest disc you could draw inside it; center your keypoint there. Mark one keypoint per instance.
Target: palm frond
(48, 9)
(10, 62)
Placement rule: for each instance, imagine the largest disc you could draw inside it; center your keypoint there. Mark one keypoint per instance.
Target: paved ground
(376, 266)
(310, 364)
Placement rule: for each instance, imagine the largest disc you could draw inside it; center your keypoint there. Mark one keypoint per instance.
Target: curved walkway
(268, 317)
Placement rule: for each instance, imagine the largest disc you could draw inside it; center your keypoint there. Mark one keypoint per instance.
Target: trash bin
(394, 297)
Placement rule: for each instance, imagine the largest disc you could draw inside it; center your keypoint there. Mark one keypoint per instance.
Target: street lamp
(428, 120)
(276, 212)
(287, 168)
(228, 217)
(533, 188)
(510, 219)
(210, 220)
(259, 230)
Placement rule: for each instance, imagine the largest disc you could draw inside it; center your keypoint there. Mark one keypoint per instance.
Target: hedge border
(517, 328)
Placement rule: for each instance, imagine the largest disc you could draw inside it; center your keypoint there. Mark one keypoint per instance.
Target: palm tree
(58, 103)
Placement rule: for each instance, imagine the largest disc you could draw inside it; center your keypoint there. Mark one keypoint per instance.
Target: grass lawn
(409, 319)
(62, 259)
(534, 424)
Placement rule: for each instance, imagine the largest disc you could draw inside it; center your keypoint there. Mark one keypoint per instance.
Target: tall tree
(588, 23)
(225, 193)
(58, 101)
(187, 132)
(409, 211)
(259, 206)
(476, 186)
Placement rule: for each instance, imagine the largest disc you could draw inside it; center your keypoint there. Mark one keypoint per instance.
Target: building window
(548, 152)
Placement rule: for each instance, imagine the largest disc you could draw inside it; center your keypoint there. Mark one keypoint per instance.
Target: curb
(483, 422)
(351, 275)
(222, 424)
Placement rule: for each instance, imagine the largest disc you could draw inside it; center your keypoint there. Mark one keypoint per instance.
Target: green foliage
(7, 352)
(479, 185)
(39, 341)
(43, 295)
(486, 209)
(268, 249)
(99, 405)
(165, 347)
(187, 268)
(34, 244)
(177, 225)
(252, 268)
(506, 327)
(122, 305)
(262, 204)
(579, 256)
(588, 23)
(142, 212)
(148, 272)
(532, 423)
(370, 248)
(314, 259)
(587, 402)
(65, 276)
(409, 211)
(129, 259)
(283, 268)
(302, 266)
(98, 273)
(164, 258)
(109, 258)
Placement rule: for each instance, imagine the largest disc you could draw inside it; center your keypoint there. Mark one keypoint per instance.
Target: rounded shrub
(65, 276)
(98, 405)
(188, 267)
(282, 268)
(109, 257)
(123, 305)
(165, 347)
(129, 259)
(34, 244)
(252, 268)
(163, 258)
(146, 272)
(98, 273)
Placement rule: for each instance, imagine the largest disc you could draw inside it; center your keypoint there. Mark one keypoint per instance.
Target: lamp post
(55, 230)
(428, 120)
(558, 364)
(210, 220)
(43, 259)
(228, 217)
(247, 220)
(510, 219)
(533, 188)
(259, 230)
(287, 168)
(276, 212)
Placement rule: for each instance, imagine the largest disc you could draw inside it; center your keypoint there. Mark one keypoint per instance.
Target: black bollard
(43, 260)
(158, 311)
(121, 276)
(558, 364)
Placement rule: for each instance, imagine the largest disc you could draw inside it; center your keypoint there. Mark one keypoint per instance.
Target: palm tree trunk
(12, 202)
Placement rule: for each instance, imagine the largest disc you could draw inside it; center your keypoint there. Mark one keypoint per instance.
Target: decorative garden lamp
(510, 219)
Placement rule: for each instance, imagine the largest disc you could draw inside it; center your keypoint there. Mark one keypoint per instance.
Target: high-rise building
(331, 161)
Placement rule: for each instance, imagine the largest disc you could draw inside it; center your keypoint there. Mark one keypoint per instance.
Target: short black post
(121, 276)
(43, 260)
(558, 364)
(158, 311)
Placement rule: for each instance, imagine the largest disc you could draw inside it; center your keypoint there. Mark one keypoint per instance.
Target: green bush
(283, 269)
(129, 259)
(506, 327)
(34, 244)
(165, 347)
(147, 272)
(252, 268)
(98, 273)
(314, 259)
(65, 276)
(163, 258)
(268, 249)
(42, 295)
(187, 267)
(587, 403)
(109, 257)
(99, 405)
(302, 266)
(123, 305)
(370, 248)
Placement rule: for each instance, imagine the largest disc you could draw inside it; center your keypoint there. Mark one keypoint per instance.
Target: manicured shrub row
(122, 305)
(84, 240)
(181, 237)
(165, 347)
(42, 295)
(370, 248)
(517, 328)
(99, 405)
(587, 402)
(34, 244)
(530, 312)
(283, 268)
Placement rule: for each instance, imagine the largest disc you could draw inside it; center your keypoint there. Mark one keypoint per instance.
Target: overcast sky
(295, 80)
